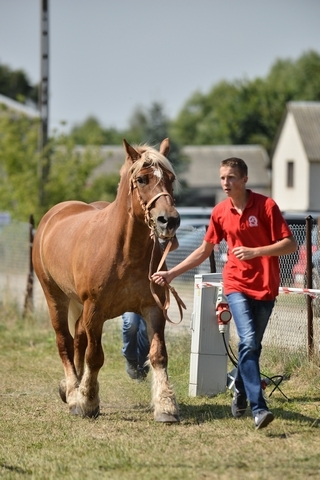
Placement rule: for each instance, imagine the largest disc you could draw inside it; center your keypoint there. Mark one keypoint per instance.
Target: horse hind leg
(58, 309)
(80, 344)
(166, 409)
(74, 312)
(78, 332)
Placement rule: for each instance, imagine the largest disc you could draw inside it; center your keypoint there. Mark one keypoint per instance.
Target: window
(290, 174)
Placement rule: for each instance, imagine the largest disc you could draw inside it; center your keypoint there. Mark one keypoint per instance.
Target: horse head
(151, 178)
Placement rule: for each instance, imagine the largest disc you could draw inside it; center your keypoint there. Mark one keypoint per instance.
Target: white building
(296, 159)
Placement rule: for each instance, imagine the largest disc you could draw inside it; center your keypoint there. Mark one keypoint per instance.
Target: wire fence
(289, 326)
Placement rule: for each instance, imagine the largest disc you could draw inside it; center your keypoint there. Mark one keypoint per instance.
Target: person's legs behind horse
(135, 345)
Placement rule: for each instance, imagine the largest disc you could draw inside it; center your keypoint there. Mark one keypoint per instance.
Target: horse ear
(165, 147)
(131, 152)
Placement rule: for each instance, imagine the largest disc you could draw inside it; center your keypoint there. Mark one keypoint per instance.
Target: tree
(72, 174)
(244, 112)
(90, 132)
(70, 177)
(18, 165)
(152, 126)
(308, 76)
(15, 84)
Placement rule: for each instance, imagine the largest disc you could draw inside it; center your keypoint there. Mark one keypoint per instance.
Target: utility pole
(44, 165)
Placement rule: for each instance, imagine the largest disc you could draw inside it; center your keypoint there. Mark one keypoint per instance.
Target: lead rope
(168, 288)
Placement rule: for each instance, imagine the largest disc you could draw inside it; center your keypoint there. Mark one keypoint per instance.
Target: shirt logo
(253, 221)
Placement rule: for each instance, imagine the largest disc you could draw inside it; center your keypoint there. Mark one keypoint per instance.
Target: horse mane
(150, 157)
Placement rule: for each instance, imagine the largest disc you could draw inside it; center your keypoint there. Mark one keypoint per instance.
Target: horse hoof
(95, 413)
(63, 391)
(75, 410)
(167, 418)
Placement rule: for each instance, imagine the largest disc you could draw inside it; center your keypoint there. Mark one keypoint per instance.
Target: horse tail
(74, 312)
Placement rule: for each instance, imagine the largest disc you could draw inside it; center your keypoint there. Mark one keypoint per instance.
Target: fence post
(28, 301)
(309, 222)
(212, 260)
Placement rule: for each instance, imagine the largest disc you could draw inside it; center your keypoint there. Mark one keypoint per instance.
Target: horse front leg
(163, 398)
(89, 335)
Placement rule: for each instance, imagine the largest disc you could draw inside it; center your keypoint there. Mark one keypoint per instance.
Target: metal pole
(212, 260)
(309, 221)
(44, 99)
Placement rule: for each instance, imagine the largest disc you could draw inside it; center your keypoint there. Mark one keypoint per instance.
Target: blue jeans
(251, 318)
(135, 339)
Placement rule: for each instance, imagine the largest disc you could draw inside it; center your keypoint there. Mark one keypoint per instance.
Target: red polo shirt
(261, 223)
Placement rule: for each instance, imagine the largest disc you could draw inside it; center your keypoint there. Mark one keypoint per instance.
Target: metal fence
(288, 327)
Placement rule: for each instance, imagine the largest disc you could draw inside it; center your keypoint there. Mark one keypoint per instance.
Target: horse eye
(141, 180)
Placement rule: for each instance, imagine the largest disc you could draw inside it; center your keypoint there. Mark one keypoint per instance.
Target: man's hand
(161, 278)
(244, 253)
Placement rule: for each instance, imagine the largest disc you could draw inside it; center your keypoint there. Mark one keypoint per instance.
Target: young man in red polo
(256, 234)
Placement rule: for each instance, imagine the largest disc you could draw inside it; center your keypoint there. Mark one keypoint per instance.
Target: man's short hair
(238, 163)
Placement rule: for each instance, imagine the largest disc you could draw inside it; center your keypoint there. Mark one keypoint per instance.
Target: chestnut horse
(93, 265)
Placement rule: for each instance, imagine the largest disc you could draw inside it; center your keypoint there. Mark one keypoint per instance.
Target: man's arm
(283, 247)
(193, 260)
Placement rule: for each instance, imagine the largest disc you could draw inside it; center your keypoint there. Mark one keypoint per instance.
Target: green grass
(40, 440)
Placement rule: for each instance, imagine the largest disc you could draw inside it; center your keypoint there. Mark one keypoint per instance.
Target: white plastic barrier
(208, 361)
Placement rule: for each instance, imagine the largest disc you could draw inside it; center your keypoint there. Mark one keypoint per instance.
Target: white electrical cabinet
(208, 361)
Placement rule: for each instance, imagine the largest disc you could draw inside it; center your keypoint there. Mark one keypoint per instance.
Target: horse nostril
(162, 220)
(173, 222)
(169, 222)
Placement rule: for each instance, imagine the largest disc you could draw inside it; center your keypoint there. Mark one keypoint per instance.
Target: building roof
(19, 107)
(114, 157)
(307, 118)
(204, 168)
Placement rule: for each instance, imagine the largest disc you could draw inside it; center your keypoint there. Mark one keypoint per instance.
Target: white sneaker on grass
(263, 418)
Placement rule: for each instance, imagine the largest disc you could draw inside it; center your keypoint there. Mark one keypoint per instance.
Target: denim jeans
(135, 339)
(251, 318)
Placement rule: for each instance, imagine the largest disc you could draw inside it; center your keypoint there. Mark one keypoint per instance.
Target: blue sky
(109, 56)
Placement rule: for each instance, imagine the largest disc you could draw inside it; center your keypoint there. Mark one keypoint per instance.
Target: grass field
(40, 440)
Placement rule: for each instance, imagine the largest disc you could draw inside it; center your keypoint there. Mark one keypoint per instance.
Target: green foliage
(18, 165)
(15, 84)
(152, 126)
(103, 187)
(70, 170)
(296, 80)
(90, 132)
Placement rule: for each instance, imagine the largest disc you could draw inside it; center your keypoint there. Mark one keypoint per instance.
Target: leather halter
(146, 207)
